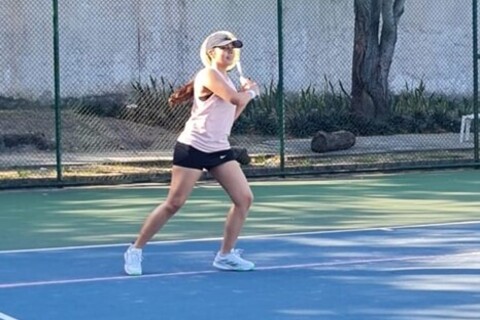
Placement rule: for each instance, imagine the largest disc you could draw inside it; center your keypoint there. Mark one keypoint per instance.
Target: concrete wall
(105, 45)
(26, 51)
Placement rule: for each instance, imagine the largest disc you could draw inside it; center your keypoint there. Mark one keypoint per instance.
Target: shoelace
(237, 252)
(136, 257)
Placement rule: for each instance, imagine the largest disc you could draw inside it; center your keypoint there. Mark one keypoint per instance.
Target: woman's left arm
(253, 89)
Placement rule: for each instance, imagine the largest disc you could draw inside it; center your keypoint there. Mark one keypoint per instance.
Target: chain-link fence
(120, 60)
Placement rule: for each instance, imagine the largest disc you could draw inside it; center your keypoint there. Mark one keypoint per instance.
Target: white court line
(203, 272)
(390, 228)
(3, 316)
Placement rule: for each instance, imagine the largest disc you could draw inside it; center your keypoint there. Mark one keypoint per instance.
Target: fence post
(475, 79)
(56, 64)
(280, 98)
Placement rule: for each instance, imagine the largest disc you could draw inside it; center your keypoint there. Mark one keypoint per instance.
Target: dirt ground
(82, 133)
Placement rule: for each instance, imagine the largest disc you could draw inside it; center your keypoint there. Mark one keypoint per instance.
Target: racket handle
(243, 80)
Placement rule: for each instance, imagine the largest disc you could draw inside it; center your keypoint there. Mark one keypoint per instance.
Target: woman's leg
(182, 184)
(183, 181)
(233, 180)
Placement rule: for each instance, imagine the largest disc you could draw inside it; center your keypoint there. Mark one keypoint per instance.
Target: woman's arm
(253, 90)
(214, 82)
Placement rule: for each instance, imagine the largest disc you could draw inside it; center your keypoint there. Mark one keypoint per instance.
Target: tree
(375, 37)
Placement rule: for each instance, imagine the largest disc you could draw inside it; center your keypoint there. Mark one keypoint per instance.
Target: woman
(204, 144)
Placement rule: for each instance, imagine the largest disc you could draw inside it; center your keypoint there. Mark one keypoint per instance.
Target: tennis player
(204, 145)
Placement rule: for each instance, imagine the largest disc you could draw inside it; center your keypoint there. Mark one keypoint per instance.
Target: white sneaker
(232, 261)
(133, 261)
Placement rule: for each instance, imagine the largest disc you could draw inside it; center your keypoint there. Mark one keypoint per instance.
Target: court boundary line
(265, 236)
(4, 316)
(14, 285)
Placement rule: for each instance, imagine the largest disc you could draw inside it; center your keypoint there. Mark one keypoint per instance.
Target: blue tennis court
(418, 272)
(400, 246)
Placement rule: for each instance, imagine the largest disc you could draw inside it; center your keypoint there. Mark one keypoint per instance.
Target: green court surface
(104, 215)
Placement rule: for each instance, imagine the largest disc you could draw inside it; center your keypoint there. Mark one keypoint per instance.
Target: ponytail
(181, 95)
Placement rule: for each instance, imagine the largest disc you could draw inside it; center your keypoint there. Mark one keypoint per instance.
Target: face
(222, 55)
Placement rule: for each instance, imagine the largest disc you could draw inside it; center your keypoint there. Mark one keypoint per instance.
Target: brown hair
(181, 95)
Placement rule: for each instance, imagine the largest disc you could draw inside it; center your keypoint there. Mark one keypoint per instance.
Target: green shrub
(106, 105)
(149, 105)
(311, 111)
(413, 110)
(12, 103)
(424, 112)
(260, 116)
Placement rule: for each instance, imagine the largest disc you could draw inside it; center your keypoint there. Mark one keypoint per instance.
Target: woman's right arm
(214, 82)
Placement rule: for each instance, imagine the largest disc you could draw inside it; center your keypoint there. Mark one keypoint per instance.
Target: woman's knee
(244, 200)
(174, 204)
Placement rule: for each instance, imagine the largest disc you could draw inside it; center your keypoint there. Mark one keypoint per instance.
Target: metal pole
(475, 79)
(56, 63)
(280, 99)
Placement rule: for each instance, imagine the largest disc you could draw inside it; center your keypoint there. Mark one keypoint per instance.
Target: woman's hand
(249, 90)
(249, 84)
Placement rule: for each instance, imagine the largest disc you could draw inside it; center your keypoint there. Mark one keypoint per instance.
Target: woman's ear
(211, 54)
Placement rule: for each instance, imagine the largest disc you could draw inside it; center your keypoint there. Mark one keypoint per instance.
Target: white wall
(435, 44)
(26, 40)
(105, 45)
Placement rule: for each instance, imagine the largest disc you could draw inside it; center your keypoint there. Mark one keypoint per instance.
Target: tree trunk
(375, 38)
(339, 140)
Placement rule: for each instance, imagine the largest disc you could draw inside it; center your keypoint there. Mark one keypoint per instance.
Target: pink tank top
(210, 122)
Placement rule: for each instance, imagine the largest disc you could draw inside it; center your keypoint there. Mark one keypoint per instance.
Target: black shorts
(189, 157)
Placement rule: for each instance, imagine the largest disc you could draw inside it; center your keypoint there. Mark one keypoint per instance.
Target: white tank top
(210, 122)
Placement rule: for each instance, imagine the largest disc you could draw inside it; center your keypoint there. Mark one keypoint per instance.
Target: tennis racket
(243, 80)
